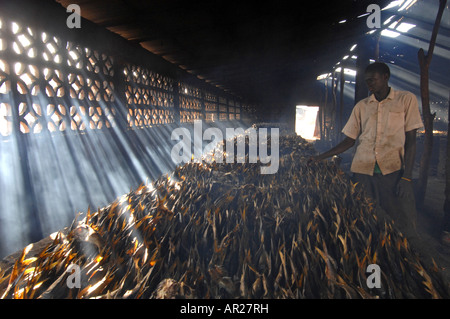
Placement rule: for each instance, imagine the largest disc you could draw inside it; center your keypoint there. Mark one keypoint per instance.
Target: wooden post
(341, 102)
(324, 112)
(319, 114)
(377, 45)
(333, 109)
(428, 118)
(362, 61)
(446, 221)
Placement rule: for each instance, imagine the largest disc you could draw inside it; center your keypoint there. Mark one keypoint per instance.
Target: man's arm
(404, 186)
(410, 153)
(338, 149)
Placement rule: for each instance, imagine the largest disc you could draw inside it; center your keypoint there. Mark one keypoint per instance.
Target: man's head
(377, 76)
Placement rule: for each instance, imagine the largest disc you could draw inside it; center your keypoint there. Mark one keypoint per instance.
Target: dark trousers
(382, 189)
(446, 219)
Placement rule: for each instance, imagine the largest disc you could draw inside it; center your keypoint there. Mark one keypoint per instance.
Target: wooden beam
(362, 61)
(428, 118)
(446, 219)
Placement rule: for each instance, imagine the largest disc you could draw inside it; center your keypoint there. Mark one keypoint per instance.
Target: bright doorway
(306, 121)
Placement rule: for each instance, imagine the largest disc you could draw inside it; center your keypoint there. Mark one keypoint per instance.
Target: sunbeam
(79, 130)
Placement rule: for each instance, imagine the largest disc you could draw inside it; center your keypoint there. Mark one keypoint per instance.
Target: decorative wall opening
(80, 126)
(149, 97)
(61, 86)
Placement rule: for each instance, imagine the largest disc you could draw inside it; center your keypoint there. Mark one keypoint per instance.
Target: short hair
(379, 67)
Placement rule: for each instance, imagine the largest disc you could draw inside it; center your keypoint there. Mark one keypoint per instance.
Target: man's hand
(404, 189)
(338, 149)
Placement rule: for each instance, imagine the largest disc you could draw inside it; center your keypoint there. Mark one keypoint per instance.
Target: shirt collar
(389, 97)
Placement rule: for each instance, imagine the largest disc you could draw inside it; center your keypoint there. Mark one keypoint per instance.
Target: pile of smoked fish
(218, 230)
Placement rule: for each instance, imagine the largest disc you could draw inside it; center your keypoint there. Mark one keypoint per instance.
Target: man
(385, 124)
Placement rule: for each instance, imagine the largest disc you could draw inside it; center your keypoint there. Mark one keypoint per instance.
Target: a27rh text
(231, 308)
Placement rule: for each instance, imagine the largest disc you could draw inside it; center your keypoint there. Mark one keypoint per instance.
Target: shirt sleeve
(352, 128)
(413, 119)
